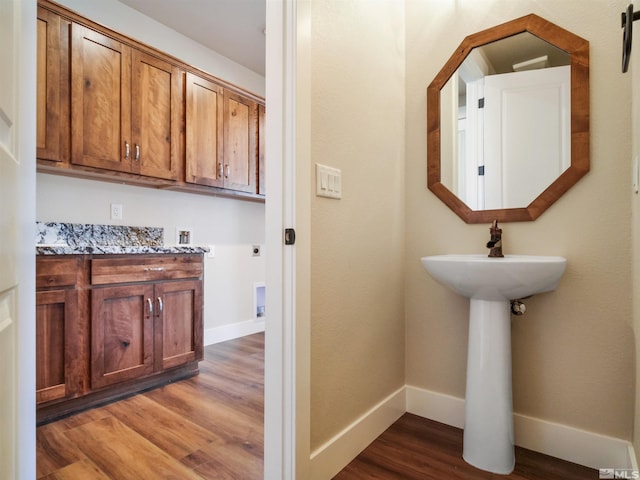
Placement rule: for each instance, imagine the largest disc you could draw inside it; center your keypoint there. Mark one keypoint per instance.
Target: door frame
(287, 355)
(25, 221)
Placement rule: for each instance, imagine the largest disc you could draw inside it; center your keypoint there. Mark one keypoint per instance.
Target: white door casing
(17, 226)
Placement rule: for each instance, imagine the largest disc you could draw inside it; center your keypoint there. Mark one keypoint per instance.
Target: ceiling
(233, 28)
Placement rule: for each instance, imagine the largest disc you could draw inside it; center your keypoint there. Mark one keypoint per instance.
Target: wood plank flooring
(206, 427)
(415, 448)
(211, 427)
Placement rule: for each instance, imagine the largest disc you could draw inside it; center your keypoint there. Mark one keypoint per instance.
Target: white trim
(335, 454)
(26, 323)
(554, 439)
(435, 406)
(280, 337)
(632, 460)
(232, 330)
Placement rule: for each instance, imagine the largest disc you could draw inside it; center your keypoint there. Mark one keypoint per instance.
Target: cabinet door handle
(227, 171)
(150, 306)
(154, 269)
(137, 157)
(160, 305)
(220, 169)
(127, 150)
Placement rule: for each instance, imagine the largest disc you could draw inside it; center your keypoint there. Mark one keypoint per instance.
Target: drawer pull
(160, 305)
(150, 306)
(154, 269)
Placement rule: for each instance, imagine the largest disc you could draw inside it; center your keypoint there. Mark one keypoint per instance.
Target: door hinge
(289, 236)
(481, 103)
(481, 170)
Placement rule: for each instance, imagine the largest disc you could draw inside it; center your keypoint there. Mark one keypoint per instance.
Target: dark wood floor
(211, 427)
(415, 448)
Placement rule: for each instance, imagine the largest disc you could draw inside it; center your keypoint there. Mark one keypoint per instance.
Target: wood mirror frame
(578, 49)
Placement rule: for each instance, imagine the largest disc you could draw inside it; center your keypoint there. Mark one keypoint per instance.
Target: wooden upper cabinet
(240, 122)
(262, 131)
(203, 132)
(110, 107)
(221, 136)
(52, 95)
(100, 101)
(125, 107)
(156, 115)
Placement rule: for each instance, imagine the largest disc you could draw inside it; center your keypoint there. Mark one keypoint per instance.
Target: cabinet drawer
(56, 271)
(137, 268)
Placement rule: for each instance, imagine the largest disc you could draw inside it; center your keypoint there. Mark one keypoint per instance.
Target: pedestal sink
(490, 284)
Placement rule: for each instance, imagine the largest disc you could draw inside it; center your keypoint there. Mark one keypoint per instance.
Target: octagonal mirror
(508, 121)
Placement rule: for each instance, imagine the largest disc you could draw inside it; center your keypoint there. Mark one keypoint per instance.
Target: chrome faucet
(495, 244)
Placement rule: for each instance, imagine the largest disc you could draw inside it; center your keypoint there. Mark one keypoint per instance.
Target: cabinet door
(121, 333)
(203, 132)
(100, 101)
(56, 311)
(156, 109)
(178, 323)
(262, 132)
(52, 96)
(240, 148)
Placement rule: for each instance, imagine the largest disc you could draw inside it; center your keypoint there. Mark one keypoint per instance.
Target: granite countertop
(55, 238)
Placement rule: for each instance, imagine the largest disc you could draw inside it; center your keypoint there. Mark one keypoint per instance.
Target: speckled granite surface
(53, 238)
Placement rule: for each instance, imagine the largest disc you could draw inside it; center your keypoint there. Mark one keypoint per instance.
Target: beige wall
(634, 74)
(573, 351)
(357, 243)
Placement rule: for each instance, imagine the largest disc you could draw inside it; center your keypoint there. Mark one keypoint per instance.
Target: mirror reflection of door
(517, 138)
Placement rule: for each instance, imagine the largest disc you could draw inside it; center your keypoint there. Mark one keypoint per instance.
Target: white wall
(125, 20)
(232, 226)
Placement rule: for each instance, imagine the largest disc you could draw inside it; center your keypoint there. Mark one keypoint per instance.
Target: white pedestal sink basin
(491, 283)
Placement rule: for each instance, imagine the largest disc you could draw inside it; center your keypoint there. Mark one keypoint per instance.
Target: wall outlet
(116, 211)
(212, 251)
(184, 236)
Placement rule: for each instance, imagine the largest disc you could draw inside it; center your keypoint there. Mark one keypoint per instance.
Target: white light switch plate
(328, 181)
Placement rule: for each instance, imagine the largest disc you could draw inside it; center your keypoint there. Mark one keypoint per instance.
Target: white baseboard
(327, 460)
(633, 461)
(560, 441)
(232, 330)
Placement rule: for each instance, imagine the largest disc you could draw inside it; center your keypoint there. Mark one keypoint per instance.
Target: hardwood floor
(211, 427)
(399, 454)
(206, 427)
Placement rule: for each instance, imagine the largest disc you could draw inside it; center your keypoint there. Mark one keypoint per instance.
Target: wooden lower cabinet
(142, 326)
(56, 312)
(121, 334)
(57, 315)
(178, 339)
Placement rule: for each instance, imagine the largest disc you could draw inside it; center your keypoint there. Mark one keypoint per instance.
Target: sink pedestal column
(488, 429)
